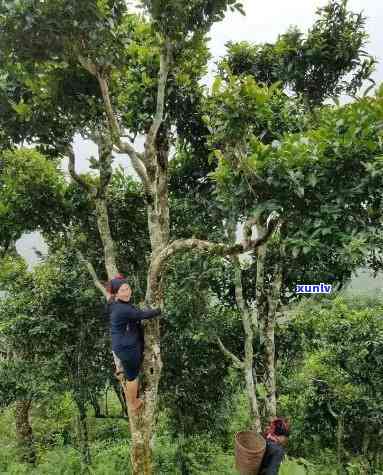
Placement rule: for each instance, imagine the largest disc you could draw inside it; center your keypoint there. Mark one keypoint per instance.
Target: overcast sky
(264, 20)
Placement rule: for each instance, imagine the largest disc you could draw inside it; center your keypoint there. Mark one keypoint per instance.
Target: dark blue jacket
(125, 323)
(272, 459)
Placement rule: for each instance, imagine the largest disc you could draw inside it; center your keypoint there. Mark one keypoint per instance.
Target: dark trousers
(131, 359)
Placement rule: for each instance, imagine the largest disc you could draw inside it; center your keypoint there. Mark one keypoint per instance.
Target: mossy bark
(24, 431)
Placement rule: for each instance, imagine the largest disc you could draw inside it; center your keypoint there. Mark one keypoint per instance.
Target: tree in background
(31, 197)
(330, 355)
(327, 62)
(323, 181)
(336, 29)
(52, 328)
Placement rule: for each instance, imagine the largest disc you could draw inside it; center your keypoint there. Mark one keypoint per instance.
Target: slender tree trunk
(267, 308)
(265, 340)
(339, 440)
(269, 379)
(365, 442)
(249, 354)
(96, 405)
(24, 432)
(82, 428)
(106, 401)
(141, 425)
(121, 397)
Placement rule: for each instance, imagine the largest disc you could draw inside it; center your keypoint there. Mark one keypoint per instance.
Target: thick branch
(122, 147)
(93, 274)
(105, 159)
(241, 303)
(106, 237)
(219, 249)
(236, 361)
(72, 171)
(158, 118)
(90, 67)
(248, 227)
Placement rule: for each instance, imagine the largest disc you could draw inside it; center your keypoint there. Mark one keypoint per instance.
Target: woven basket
(250, 448)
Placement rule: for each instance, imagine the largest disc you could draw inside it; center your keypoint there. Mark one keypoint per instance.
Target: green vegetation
(262, 164)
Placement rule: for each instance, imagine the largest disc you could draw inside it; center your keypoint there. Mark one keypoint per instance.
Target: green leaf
(216, 85)
(261, 391)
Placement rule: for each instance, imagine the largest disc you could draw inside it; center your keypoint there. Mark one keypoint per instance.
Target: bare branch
(165, 58)
(241, 303)
(72, 171)
(137, 164)
(93, 274)
(136, 158)
(331, 411)
(106, 236)
(236, 361)
(248, 227)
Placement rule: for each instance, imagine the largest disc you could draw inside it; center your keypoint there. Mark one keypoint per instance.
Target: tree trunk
(82, 428)
(339, 440)
(142, 425)
(266, 340)
(24, 432)
(249, 354)
(269, 377)
(267, 310)
(121, 397)
(95, 404)
(106, 401)
(142, 428)
(152, 168)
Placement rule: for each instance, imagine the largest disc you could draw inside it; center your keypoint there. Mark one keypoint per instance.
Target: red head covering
(278, 426)
(110, 287)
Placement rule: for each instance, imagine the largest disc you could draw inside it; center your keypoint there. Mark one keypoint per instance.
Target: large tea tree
(336, 29)
(123, 56)
(323, 180)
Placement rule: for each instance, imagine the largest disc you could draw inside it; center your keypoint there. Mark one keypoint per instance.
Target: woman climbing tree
(276, 436)
(127, 334)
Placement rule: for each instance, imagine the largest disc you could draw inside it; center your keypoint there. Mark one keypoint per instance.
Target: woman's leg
(131, 362)
(131, 392)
